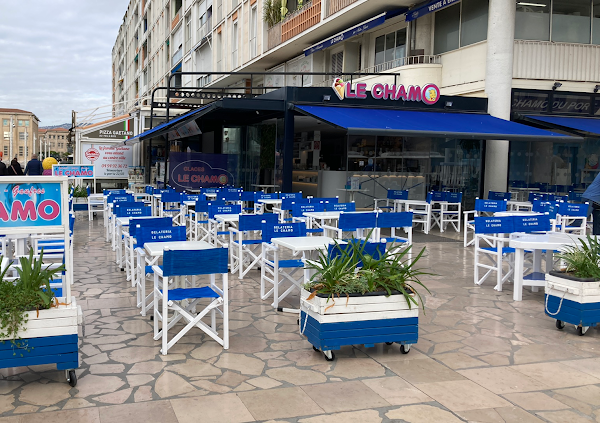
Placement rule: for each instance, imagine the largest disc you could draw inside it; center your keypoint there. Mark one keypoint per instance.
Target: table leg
(518, 285)
(537, 265)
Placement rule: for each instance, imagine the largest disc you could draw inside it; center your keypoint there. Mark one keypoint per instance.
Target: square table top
(157, 248)
(304, 243)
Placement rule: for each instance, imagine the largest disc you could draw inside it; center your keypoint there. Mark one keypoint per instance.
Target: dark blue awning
(394, 122)
(154, 132)
(586, 124)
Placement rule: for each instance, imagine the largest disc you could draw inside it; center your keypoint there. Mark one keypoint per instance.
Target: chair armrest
(466, 213)
(157, 270)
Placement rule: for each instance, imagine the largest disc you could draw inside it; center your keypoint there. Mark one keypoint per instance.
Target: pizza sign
(428, 94)
(92, 154)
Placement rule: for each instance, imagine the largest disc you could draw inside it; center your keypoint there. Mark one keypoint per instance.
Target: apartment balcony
(203, 32)
(274, 36)
(556, 61)
(175, 20)
(294, 24)
(334, 6)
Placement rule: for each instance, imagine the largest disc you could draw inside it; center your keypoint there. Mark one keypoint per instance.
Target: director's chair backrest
(395, 220)
(195, 262)
(223, 209)
(174, 233)
(192, 197)
(494, 225)
(354, 221)
(288, 202)
(161, 191)
(114, 191)
(536, 196)
(266, 196)
(495, 195)
(394, 194)
(453, 197)
(539, 223)
(490, 206)
(298, 209)
(436, 196)
(170, 197)
(325, 200)
(209, 190)
(149, 189)
(248, 196)
(132, 209)
(575, 197)
(295, 195)
(546, 207)
(155, 222)
(254, 222)
(120, 198)
(282, 230)
(230, 194)
(345, 207)
(202, 205)
(570, 209)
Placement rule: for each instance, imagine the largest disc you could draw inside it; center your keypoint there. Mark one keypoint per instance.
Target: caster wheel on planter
(71, 377)
(316, 349)
(405, 349)
(581, 330)
(329, 355)
(388, 343)
(560, 324)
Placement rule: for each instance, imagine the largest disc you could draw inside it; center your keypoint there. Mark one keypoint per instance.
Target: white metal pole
(26, 139)
(12, 130)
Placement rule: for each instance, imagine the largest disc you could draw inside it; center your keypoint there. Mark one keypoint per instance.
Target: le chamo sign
(428, 94)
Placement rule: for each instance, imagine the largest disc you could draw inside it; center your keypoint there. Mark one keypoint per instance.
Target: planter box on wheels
(50, 337)
(360, 319)
(572, 300)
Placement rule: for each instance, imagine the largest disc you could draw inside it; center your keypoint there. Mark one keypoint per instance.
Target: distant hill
(64, 125)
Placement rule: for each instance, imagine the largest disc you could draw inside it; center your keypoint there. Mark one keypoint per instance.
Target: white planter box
(573, 302)
(581, 292)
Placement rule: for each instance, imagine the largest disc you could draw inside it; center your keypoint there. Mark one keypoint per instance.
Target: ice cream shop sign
(428, 94)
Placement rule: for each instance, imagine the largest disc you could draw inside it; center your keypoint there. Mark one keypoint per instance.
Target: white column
(498, 85)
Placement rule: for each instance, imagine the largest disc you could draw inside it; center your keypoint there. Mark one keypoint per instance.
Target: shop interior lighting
(556, 85)
(326, 97)
(522, 3)
(448, 104)
(597, 88)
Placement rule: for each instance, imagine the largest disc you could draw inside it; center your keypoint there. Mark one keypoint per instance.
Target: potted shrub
(41, 328)
(356, 297)
(573, 289)
(80, 194)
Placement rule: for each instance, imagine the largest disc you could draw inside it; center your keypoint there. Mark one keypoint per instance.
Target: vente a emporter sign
(428, 94)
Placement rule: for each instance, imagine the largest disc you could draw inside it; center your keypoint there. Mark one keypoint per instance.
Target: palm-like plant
(583, 260)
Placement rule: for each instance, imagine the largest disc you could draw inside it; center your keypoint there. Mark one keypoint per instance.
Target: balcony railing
(301, 20)
(274, 36)
(337, 5)
(177, 57)
(556, 61)
(202, 32)
(403, 61)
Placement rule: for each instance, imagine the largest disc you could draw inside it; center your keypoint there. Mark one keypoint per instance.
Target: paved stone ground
(481, 357)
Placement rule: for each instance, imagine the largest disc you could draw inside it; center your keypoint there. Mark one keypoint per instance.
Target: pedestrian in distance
(2, 168)
(34, 167)
(15, 168)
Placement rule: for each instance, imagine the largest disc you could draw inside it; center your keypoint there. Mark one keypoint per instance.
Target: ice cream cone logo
(431, 94)
(338, 87)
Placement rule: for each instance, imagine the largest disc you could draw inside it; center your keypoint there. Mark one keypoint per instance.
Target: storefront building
(319, 140)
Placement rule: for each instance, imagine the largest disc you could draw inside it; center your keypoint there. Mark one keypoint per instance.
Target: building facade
(526, 58)
(56, 140)
(19, 134)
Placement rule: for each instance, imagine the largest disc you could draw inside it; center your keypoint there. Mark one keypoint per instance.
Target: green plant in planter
(583, 260)
(30, 291)
(80, 191)
(341, 275)
(272, 12)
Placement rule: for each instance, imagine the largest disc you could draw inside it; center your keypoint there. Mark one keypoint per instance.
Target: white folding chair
(483, 208)
(275, 271)
(392, 195)
(95, 205)
(245, 242)
(572, 218)
(450, 213)
(495, 231)
(183, 301)
(436, 200)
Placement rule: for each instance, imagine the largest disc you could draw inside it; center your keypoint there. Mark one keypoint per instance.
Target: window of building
(596, 22)
(5, 122)
(390, 50)
(6, 135)
(22, 136)
(571, 21)
(21, 150)
(447, 26)
(253, 31)
(234, 3)
(6, 150)
(20, 122)
(474, 21)
(337, 63)
(27, 123)
(219, 10)
(234, 46)
(188, 32)
(177, 6)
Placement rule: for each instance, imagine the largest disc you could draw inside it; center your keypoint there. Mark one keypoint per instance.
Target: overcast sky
(55, 55)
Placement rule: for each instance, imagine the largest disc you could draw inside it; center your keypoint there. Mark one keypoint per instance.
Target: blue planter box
(61, 350)
(573, 312)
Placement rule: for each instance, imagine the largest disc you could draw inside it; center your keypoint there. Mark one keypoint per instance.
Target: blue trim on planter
(62, 350)
(573, 312)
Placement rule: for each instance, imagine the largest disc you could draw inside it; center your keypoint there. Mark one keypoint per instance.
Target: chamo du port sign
(428, 94)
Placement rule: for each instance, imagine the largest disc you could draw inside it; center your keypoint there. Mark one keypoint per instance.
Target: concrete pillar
(498, 85)
(423, 34)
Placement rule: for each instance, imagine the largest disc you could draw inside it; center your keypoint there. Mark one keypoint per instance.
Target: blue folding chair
(131, 268)
(435, 199)
(341, 207)
(451, 211)
(275, 271)
(575, 197)
(483, 208)
(357, 225)
(259, 207)
(392, 195)
(247, 198)
(499, 196)
(396, 221)
(286, 207)
(245, 242)
(199, 219)
(572, 218)
(218, 230)
(145, 261)
(298, 211)
(183, 301)
(495, 231)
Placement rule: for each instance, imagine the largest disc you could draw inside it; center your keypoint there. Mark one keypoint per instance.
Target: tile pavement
(481, 358)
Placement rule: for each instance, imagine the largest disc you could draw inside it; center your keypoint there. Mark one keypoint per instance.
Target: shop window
(533, 21)
(596, 23)
(447, 25)
(337, 63)
(571, 21)
(474, 21)
(390, 50)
